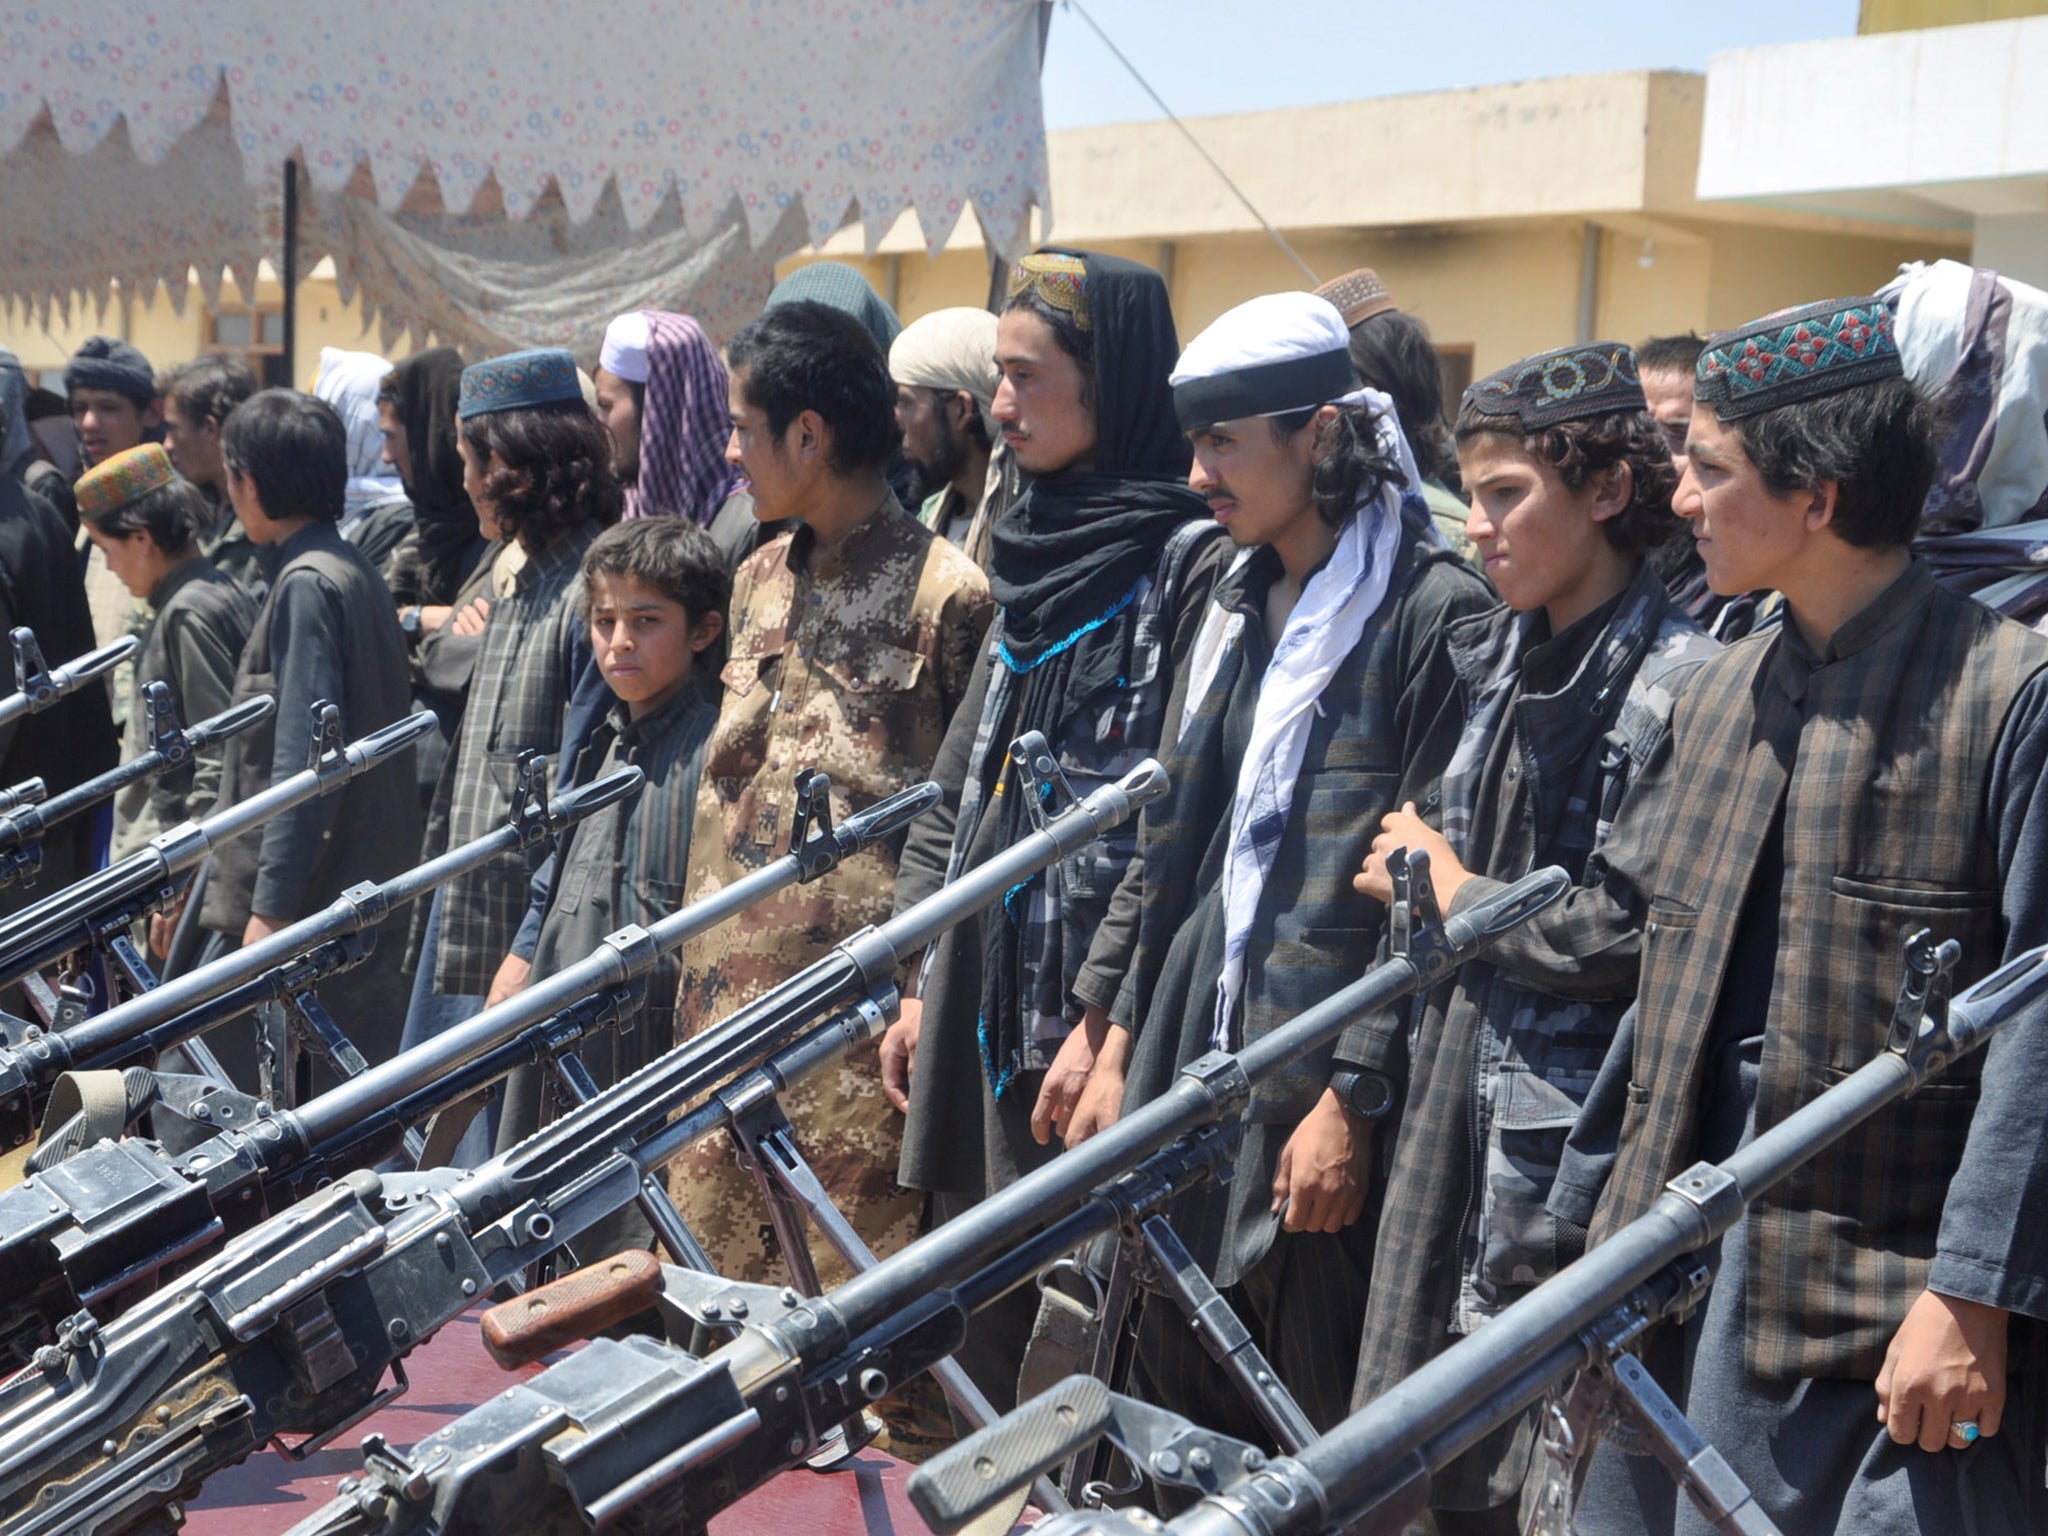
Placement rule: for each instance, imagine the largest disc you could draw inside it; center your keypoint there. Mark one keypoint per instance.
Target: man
(113, 395)
(326, 631)
(1667, 364)
(944, 365)
(852, 643)
(1319, 702)
(197, 397)
(661, 393)
(1870, 767)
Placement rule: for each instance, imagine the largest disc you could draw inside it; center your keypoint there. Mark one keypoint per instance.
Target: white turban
(624, 352)
(951, 349)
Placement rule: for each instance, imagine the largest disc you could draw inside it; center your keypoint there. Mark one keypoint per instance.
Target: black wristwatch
(1368, 1095)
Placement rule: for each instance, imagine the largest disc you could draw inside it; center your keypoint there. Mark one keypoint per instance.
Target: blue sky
(1207, 56)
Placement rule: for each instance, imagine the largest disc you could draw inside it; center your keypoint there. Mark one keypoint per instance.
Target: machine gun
(1371, 1473)
(97, 911)
(116, 1216)
(290, 1329)
(648, 1436)
(41, 687)
(170, 745)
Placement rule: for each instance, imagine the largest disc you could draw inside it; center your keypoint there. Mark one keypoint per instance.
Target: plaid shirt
(535, 649)
(1881, 753)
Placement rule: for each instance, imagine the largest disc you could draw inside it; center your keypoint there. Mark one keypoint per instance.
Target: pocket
(1532, 1116)
(1925, 895)
(876, 669)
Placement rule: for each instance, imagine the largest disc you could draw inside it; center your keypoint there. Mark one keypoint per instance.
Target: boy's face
(1540, 542)
(1257, 484)
(1669, 395)
(194, 446)
(646, 642)
(109, 422)
(1039, 403)
(1750, 537)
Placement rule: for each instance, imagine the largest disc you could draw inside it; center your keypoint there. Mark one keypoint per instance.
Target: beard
(949, 457)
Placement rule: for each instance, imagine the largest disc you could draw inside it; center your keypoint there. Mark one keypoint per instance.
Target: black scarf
(449, 540)
(1065, 561)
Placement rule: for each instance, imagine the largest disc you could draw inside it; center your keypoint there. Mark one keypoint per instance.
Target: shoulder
(951, 579)
(1442, 587)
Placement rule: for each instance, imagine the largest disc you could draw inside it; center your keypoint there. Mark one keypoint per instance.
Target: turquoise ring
(1967, 1429)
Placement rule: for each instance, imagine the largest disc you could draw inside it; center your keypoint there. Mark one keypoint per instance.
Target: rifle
(97, 910)
(41, 687)
(290, 1329)
(114, 1216)
(170, 745)
(1371, 1473)
(645, 1433)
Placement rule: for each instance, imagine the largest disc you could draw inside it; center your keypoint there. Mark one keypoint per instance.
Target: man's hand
(163, 927)
(433, 616)
(1067, 1076)
(1405, 828)
(1946, 1366)
(1325, 1169)
(899, 1053)
(261, 927)
(513, 975)
(472, 619)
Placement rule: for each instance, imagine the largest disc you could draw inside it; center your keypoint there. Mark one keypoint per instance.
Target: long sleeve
(928, 847)
(204, 667)
(307, 625)
(1993, 1246)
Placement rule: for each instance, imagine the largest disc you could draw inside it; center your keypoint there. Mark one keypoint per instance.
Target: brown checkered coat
(1880, 752)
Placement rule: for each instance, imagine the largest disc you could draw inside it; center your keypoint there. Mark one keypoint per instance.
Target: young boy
(1563, 689)
(655, 592)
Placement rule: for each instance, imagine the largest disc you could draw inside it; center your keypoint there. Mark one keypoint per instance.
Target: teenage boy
(852, 642)
(1563, 689)
(1319, 701)
(326, 631)
(1869, 1358)
(198, 398)
(655, 592)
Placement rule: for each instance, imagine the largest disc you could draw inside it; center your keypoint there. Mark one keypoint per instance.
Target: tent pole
(290, 275)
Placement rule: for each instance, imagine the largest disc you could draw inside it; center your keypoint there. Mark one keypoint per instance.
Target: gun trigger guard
(325, 748)
(1047, 794)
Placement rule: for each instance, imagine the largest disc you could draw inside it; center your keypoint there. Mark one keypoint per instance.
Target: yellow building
(1510, 218)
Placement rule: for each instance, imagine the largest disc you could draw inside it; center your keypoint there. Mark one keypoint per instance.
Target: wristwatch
(409, 621)
(1368, 1095)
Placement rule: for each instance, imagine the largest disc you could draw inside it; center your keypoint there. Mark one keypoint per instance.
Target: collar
(658, 723)
(313, 536)
(1864, 629)
(849, 549)
(564, 555)
(178, 577)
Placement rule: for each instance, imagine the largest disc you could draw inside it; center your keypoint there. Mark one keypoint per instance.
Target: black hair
(555, 469)
(1350, 466)
(1067, 333)
(1875, 441)
(208, 387)
(977, 429)
(1670, 354)
(173, 515)
(1581, 449)
(806, 356)
(1393, 354)
(294, 448)
(676, 558)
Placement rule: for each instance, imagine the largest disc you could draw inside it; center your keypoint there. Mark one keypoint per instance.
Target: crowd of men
(1649, 613)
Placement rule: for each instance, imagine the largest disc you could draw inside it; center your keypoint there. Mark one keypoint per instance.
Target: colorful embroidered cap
(1358, 295)
(1565, 384)
(128, 476)
(1797, 354)
(543, 376)
(1059, 279)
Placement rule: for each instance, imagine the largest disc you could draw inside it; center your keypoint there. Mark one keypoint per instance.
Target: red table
(450, 1374)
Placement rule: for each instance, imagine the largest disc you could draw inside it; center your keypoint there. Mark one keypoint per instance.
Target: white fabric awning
(470, 141)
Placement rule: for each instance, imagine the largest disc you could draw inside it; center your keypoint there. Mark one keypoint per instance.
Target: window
(1455, 363)
(254, 335)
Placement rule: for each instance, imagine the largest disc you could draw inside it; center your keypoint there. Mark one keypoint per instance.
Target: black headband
(1270, 389)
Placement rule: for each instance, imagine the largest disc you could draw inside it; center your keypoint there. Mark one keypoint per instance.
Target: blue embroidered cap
(1595, 378)
(543, 376)
(1797, 354)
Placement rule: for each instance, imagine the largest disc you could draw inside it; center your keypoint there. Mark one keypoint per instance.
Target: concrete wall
(2016, 245)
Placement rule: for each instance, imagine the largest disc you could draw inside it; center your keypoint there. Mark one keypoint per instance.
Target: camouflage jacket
(1495, 1065)
(854, 669)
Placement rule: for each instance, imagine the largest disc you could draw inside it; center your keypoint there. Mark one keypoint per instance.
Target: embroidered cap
(1797, 354)
(1564, 384)
(1358, 295)
(1277, 353)
(543, 376)
(128, 476)
(1059, 279)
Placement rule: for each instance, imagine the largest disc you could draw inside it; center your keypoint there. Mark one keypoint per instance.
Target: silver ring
(1967, 1428)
